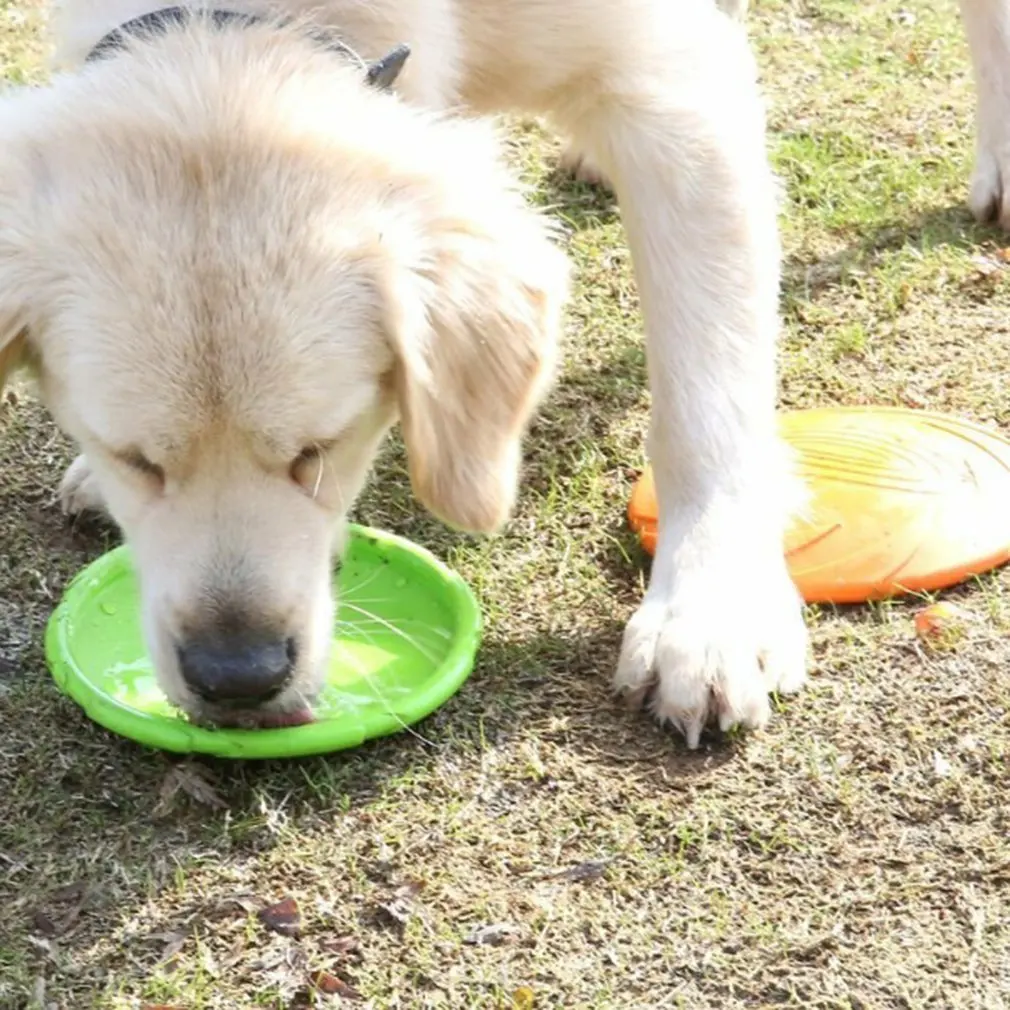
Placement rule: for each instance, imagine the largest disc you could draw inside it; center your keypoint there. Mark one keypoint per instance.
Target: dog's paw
(79, 490)
(582, 168)
(713, 649)
(989, 195)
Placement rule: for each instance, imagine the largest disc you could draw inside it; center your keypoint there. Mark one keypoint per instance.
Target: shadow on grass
(579, 205)
(950, 227)
(584, 206)
(98, 798)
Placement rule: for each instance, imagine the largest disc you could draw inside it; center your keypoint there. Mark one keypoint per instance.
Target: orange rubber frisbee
(901, 501)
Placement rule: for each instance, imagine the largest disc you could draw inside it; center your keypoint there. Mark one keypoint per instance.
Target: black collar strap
(380, 74)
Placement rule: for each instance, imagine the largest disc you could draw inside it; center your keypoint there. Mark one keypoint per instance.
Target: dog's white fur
(987, 25)
(220, 249)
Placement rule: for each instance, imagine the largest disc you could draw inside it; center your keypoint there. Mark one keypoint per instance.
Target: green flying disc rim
(405, 638)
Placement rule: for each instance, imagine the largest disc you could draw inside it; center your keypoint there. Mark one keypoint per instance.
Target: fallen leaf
(941, 625)
(984, 265)
(410, 888)
(69, 920)
(236, 904)
(61, 911)
(491, 936)
(522, 998)
(344, 946)
(592, 869)
(397, 911)
(172, 943)
(283, 918)
(333, 985)
(192, 779)
(43, 924)
(72, 892)
(400, 908)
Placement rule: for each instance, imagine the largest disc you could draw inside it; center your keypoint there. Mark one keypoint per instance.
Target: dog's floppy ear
(10, 354)
(21, 179)
(475, 323)
(13, 330)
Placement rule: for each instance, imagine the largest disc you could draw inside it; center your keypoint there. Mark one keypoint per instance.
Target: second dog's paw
(79, 490)
(989, 196)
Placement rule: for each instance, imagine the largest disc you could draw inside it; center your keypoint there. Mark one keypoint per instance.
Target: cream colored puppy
(233, 265)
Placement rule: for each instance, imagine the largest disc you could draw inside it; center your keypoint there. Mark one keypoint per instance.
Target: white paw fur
(711, 650)
(79, 490)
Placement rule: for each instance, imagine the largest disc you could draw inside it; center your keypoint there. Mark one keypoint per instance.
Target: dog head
(232, 267)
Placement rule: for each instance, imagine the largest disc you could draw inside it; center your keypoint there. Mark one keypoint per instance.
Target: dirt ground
(854, 855)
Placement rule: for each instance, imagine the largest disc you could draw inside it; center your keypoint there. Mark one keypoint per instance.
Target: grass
(854, 855)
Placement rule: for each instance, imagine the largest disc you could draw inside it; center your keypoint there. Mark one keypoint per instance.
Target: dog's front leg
(683, 141)
(987, 24)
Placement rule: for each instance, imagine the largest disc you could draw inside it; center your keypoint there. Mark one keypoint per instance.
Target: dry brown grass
(853, 855)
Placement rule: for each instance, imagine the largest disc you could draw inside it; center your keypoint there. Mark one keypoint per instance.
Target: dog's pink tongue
(278, 720)
(264, 720)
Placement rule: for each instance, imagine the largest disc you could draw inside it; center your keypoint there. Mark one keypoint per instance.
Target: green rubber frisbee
(405, 637)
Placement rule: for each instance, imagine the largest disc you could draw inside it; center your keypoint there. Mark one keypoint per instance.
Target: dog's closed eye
(306, 468)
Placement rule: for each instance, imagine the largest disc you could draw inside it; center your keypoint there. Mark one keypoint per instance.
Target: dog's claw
(678, 657)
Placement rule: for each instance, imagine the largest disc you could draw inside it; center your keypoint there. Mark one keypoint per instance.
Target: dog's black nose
(237, 672)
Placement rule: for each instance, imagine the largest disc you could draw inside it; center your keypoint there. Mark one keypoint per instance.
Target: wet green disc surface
(405, 637)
